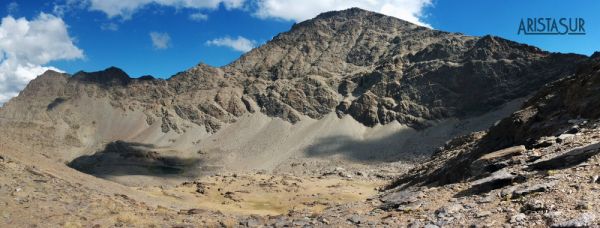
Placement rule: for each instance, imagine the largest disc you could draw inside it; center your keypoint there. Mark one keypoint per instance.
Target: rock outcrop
(552, 118)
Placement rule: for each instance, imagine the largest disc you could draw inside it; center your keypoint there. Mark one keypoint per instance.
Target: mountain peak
(347, 13)
(358, 13)
(50, 73)
(365, 17)
(107, 76)
(337, 42)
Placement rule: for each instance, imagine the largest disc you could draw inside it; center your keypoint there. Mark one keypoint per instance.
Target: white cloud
(126, 8)
(25, 46)
(294, 10)
(160, 40)
(239, 44)
(198, 17)
(12, 8)
(60, 8)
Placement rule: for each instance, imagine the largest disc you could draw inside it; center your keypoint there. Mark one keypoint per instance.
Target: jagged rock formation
(537, 167)
(551, 117)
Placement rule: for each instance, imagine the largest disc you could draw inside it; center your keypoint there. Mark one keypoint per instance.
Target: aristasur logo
(552, 26)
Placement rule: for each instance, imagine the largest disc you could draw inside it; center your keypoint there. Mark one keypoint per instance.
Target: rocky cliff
(549, 121)
(536, 167)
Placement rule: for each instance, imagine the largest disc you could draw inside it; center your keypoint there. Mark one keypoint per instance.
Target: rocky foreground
(555, 186)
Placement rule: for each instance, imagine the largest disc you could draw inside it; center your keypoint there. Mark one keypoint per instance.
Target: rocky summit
(354, 117)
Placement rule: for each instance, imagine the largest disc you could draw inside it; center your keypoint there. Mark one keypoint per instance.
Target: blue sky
(102, 33)
(502, 18)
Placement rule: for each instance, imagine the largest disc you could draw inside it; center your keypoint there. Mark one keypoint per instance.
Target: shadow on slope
(126, 158)
(404, 145)
(408, 144)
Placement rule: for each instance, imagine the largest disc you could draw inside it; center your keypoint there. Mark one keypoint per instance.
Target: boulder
(496, 160)
(567, 159)
(496, 180)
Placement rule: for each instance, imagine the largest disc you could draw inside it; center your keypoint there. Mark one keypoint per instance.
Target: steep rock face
(418, 73)
(552, 115)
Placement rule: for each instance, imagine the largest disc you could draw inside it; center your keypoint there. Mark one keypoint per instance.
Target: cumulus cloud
(27, 45)
(160, 40)
(126, 8)
(198, 17)
(294, 10)
(239, 44)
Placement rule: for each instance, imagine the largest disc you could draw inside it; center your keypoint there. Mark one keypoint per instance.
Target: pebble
(483, 214)
(518, 218)
(565, 138)
(356, 219)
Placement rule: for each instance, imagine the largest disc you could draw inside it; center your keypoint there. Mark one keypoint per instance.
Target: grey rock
(361, 173)
(194, 211)
(563, 138)
(496, 180)
(281, 221)
(301, 222)
(251, 222)
(545, 141)
(567, 159)
(431, 226)
(357, 219)
(498, 175)
(483, 214)
(553, 216)
(525, 190)
(583, 205)
(448, 210)
(487, 199)
(534, 206)
(518, 218)
(394, 199)
(507, 192)
(415, 224)
(409, 207)
(494, 161)
(584, 220)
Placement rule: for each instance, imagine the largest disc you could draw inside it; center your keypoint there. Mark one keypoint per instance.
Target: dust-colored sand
(267, 194)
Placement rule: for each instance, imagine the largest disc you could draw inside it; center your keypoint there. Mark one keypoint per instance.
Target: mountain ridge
(361, 67)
